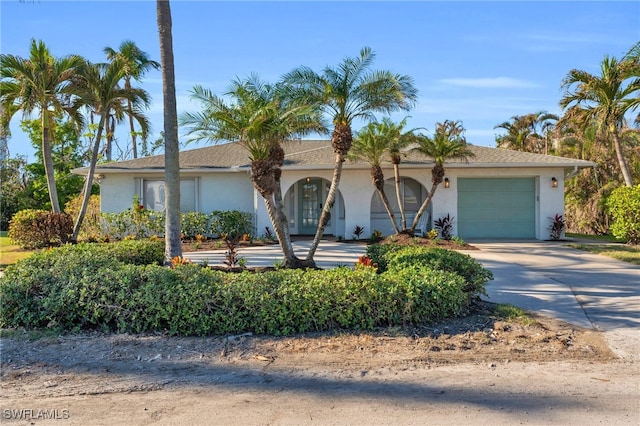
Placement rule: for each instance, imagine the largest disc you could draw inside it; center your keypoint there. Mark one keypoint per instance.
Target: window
(412, 196)
(153, 195)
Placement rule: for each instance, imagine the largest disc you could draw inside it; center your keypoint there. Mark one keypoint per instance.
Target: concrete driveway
(581, 288)
(549, 278)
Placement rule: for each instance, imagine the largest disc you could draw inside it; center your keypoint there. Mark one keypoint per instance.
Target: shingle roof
(319, 154)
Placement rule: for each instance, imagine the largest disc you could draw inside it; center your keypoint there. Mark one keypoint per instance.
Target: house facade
(496, 194)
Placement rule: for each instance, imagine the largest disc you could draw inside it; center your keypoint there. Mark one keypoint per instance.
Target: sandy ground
(474, 370)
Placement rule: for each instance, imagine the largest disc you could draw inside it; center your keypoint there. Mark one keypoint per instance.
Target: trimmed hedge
(89, 287)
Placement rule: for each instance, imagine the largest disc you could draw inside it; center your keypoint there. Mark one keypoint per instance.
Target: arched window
(412, 194)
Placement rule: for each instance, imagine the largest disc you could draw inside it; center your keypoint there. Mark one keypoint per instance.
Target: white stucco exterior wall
(234, 191)
(116, 193)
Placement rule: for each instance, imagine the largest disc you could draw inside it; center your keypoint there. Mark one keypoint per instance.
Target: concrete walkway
(571, 285)
(330, 254)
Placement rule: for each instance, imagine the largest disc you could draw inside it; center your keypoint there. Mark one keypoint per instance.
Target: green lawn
(602, 238)
(623, 252)
(11, 253)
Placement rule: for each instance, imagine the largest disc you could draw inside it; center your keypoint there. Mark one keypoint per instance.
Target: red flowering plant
(365, 262)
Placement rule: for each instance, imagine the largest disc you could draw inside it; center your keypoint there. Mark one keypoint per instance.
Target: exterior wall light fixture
(554, 182)
(447, 184)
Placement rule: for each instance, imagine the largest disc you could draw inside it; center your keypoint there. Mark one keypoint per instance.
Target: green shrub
(32, 229)
(233, 223)
(475, 276)
(624, 206)
(90, 229)
(194, 223)
(138, 222)
(109, 287)
(378, 253)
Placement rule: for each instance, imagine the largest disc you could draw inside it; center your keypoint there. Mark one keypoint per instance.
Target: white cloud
(490, 83)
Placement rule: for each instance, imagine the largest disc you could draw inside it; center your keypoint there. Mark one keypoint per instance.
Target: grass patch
(11, 253)
(603, 238)
(513, 313)
(626, 253)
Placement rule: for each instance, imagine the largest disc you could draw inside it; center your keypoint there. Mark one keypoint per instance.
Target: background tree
(529, 133)
(260, 118)
(42, 83)
(67, 152)
(136, 63)
(14, 181)
(173, 244)
(604, 101)
(447, 143)
(346, 93)
(99, 90)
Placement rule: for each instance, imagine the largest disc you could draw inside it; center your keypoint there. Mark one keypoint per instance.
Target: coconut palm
(604, 100)
(370, 144)
(346, 93)
(447, 143)
(136, 64)
(260, 118)
(99, 91)
(40, 83)
(173, 243)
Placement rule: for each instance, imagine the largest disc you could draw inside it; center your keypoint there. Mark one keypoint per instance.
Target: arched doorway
(412, 195)
(304, 201)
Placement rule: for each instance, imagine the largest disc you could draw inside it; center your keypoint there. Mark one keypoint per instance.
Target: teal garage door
(496, 208)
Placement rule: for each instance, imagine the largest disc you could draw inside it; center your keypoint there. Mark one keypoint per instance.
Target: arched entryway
(304, 201)
(412, 192)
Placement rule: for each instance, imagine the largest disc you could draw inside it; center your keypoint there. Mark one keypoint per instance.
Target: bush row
(87, 287)
(141, 223)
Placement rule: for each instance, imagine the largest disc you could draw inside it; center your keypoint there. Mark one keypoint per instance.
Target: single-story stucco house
(498, 193)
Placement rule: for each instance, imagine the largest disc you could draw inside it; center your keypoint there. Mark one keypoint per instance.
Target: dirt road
(468, 371)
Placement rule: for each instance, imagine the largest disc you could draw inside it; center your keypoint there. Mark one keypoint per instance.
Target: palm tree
(348, 92)
(370, 144)
(604, 100)
(447, 143)
(260, 119)
(529, 132)
(136, 64)
(397, 141)
(40, 83)
(173, 244)
(100, 92)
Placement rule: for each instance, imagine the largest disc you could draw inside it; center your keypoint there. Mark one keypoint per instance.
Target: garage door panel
(496, 208)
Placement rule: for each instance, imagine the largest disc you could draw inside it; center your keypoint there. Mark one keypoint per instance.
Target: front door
(310, 206)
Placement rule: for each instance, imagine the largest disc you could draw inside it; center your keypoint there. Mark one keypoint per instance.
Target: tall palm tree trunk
(291, 260)
(387, 207)
(628, 180)
(396, 177)
(325, 216)
(423, 207)
(173, 244)
(132, 129)
(281, 228)
(134, 142)
(48, 165)
(86, 192)
(377, 177)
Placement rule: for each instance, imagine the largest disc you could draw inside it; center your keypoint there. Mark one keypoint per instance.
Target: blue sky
(478, 62)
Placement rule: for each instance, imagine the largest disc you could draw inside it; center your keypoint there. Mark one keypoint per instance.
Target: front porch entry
(304, 202)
